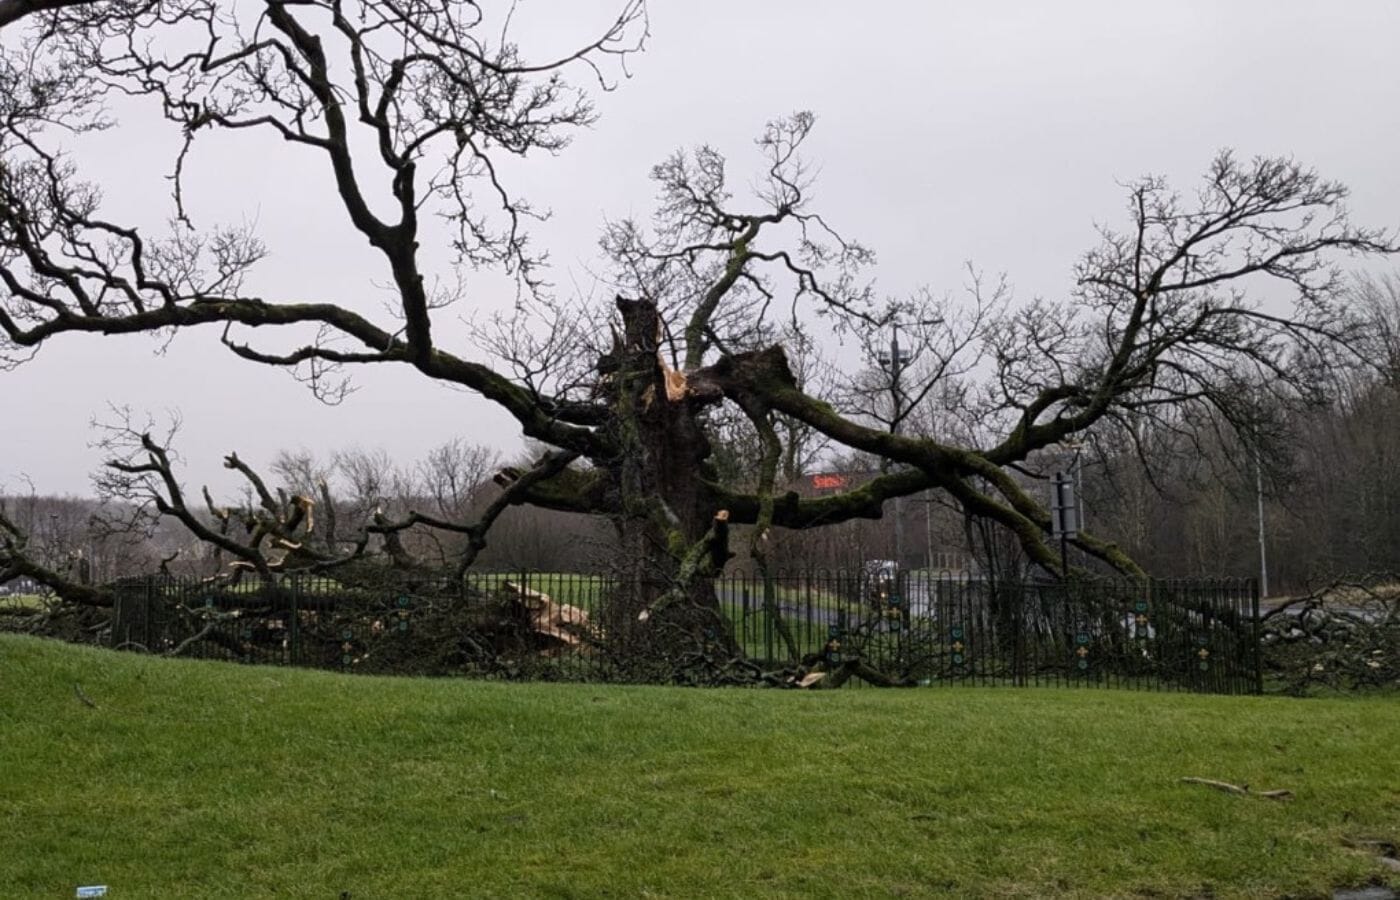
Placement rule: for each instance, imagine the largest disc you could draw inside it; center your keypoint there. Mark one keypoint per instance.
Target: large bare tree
(715, 294)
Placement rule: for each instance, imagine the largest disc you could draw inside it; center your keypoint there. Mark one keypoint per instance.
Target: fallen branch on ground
(1242, 790)
(86, 700)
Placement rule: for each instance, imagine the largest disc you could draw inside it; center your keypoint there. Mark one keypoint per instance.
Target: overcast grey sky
(947, 132)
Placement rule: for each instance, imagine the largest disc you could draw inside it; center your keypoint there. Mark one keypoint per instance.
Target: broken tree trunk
(557, 627)
(673, 533)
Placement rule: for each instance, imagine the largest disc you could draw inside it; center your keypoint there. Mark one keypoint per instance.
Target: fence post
(146, 618)
(119, 614)
(294, 631)
(1020, 623)
(1255, 639)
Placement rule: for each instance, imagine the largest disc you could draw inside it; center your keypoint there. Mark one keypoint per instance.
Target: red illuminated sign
(828, 482)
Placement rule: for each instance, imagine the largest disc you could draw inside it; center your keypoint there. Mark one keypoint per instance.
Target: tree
(1161, 326)
(12, 11)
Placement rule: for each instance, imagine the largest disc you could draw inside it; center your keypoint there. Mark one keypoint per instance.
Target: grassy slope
(210, 780)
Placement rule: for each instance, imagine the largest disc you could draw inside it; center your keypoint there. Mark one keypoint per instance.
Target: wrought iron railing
(910, 628)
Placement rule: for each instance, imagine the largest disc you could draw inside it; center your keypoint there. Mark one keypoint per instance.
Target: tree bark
(673, 532)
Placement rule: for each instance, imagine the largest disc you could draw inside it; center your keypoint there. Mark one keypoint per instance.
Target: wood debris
(675, 383)
(1241, 790)
(560, 623)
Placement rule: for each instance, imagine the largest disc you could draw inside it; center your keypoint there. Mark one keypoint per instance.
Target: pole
(895, 369)
(1078, 489)
(1259, 496)
(899, 531)
(928, 531)
(1062, 521)
(1255, 644)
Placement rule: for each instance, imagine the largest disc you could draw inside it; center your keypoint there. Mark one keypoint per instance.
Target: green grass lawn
(199, 780)
(21, 601)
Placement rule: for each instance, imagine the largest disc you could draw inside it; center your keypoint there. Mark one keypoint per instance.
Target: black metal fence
(908, 629)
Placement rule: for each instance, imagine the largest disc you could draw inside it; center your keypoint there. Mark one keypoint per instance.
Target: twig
(86, 700)
(194, 638)
(1242, 790)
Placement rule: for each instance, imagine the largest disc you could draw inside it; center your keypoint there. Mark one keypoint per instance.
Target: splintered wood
(676, 387)
(675, 383)
(560, 625)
